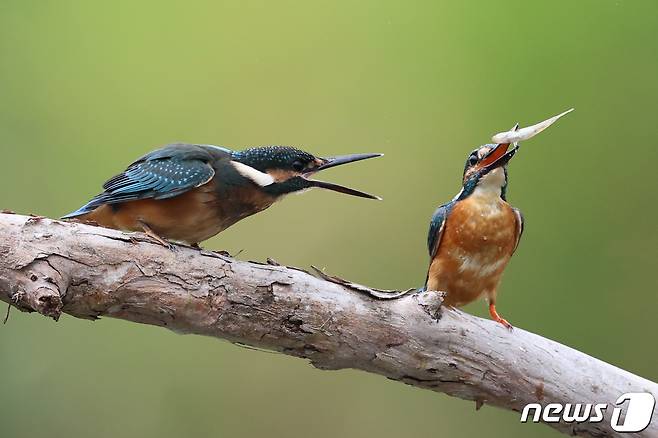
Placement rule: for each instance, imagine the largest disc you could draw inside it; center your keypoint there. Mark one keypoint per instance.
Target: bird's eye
(472, 160)
(298, 166)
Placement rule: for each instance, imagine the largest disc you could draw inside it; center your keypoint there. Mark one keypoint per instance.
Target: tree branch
(52, 267)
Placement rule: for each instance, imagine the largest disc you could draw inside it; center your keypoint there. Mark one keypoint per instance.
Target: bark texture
(53, 267)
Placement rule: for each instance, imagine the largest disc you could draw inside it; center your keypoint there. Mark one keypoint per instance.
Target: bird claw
(157, 239)
(171, 247)
(506, 324)
(496, 317)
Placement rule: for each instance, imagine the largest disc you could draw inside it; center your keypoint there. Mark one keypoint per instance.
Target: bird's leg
(496, 317)
(153, 235)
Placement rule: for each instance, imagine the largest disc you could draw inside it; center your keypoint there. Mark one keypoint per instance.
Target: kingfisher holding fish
(472, 238)
(190, 192)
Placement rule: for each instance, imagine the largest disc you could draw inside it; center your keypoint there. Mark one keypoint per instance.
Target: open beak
(338, 161)
(498, 156)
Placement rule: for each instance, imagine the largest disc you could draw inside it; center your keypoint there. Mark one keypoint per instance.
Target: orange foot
(153, 235)
(496, 317)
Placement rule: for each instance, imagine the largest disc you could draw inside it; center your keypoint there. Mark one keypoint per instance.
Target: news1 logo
(637, 414)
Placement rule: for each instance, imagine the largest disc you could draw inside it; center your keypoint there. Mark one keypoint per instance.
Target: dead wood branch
(51, 267)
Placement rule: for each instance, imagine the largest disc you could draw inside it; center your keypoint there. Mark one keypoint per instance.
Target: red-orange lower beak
(494, 155)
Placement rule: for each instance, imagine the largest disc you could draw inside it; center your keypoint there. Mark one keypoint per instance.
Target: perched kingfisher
(190, 192)
(472, 238)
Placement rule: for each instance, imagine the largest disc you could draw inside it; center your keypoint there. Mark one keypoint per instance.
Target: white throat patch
(491, 183)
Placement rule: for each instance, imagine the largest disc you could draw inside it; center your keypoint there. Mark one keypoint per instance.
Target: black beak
(341, 189)
(338, 161)
(344, 159)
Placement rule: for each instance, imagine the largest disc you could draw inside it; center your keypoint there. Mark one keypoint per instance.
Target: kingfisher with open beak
(472, 238)
(190, 192)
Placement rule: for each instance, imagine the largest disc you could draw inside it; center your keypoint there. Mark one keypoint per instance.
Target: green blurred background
(86, 87)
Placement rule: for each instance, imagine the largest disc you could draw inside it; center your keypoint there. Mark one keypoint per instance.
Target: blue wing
(437, 225)
(161, 174)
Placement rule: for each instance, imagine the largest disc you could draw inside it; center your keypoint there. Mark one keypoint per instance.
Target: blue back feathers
(161, 174)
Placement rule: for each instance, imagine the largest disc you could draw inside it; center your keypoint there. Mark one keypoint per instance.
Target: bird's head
(486, 168)
(280, 170)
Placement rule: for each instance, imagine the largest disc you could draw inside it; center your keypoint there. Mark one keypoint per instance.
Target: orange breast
(476, 245)
(192, 217)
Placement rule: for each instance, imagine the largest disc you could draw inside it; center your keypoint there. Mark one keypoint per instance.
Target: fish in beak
(500, 155)
(327, 163)
(516, 135)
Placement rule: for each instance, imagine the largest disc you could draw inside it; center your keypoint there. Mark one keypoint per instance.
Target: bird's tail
(90, 206)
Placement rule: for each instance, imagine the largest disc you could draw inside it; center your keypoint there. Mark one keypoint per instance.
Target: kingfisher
(190, 192)
(473, 237)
